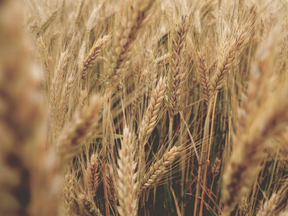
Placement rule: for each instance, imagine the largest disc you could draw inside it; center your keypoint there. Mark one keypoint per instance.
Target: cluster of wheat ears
(143, 107)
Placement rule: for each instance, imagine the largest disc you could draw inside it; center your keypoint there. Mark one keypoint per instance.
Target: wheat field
(143, 107)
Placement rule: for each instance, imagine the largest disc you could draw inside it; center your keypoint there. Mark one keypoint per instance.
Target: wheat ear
(64, 104)
(177, 72)
(92, 20)
(92, 57)
(79, 11)
(280, 206)
(22, 125)
(226, 60)
(71, 139)
(150, 117)
(83, 98)
(38, 11)
(281, 56)
(56, 88)
(163, 59)
(87, 206)
(111, 182)
(205, 83)
(269, 206)
(92, 175)
(45, 64)
(125, 36)
(158, 169)
(216, 167)
(69, 194)
(244, 166)
(47, 23)
(127, 185)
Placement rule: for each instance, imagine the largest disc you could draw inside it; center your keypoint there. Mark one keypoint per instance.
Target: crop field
(143, 107)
